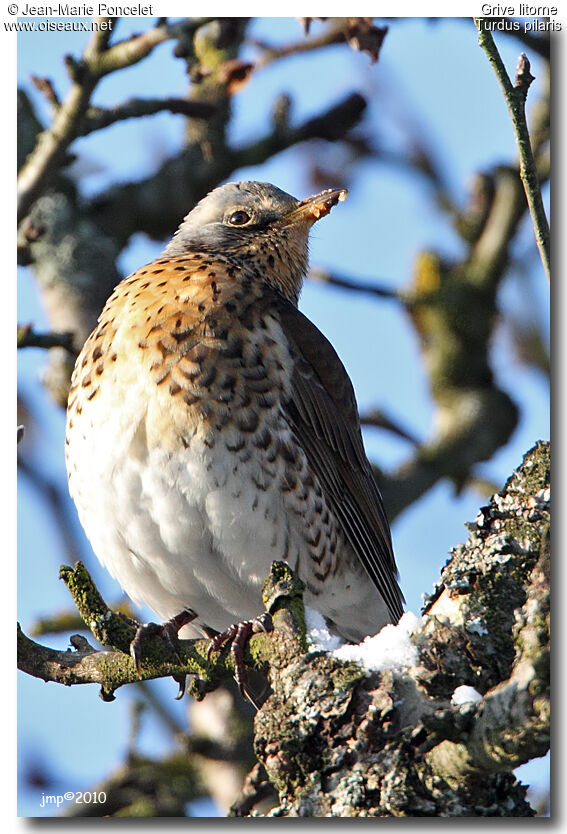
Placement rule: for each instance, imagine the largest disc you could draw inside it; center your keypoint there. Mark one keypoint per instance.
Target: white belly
(179, 529)
(194, 527)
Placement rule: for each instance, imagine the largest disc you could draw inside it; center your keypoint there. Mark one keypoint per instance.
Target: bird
(212, 429)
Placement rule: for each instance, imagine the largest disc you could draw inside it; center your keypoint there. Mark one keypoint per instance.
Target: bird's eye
(239, 218)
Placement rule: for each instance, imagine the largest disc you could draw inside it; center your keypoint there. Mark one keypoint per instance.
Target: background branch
(515, 96)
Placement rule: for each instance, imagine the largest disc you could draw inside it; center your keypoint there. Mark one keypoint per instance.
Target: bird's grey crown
(207, 225)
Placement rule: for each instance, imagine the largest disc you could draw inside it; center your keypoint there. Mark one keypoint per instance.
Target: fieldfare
(212, 429)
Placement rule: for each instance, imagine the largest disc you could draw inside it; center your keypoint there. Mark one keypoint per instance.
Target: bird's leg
(239, 634)
(168, 631)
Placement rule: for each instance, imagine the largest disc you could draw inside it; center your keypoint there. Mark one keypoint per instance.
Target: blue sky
(435, 71)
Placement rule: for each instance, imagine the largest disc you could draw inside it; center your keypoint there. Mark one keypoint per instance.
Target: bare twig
(28, 337)
(515, 96)
(97, 118)
(539, 43)
(97, 61)
(156, 204)
(360, 33)
(52, 144)
(46, 88)
(332, 34)
(377, 419)
(322, 276)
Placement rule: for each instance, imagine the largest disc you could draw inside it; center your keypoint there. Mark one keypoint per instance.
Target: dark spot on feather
(163, 349)
(314, 540)
(287, 452)
(181, 335)
(322, 576)
(233, 348)
(235, 447)
(263, 439)
(164, 374)
(208, 376)
(289, 483)
(247, 422)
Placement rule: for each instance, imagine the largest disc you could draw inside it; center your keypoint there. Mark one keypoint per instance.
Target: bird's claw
(167, 631)
(182, 681)
(238, 635)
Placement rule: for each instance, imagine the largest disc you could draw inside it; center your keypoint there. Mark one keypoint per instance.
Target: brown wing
(323, 413)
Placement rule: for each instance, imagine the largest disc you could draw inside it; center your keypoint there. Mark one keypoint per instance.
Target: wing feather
(323, 414)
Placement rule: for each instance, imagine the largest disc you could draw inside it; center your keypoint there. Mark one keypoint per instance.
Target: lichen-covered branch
(339, 740)
(113, 667)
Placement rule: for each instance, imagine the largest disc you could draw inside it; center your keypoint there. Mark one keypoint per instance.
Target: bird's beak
(314, 208)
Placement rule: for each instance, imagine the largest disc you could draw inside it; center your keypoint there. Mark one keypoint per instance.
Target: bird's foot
(168, 631)
(239, 634)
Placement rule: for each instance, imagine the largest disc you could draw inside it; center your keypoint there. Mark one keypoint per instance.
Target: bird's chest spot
(225, 389)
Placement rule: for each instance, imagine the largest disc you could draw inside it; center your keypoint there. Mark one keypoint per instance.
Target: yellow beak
(316, 207)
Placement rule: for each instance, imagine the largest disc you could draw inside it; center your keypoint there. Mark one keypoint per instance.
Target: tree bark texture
(336, 740)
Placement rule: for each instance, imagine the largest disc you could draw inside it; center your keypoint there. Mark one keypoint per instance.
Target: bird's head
(259, 223)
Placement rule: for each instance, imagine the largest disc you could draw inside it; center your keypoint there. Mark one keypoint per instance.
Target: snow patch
(465, 695)
(391, 648)
(318, 635)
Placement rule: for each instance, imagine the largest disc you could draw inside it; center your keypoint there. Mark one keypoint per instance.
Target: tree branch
(28, 337)
(97, 118)
(338, 739)
(515, 96)
(115, 668)
(157, 204)
(322, 276)
(52, 144)
(97, 61)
